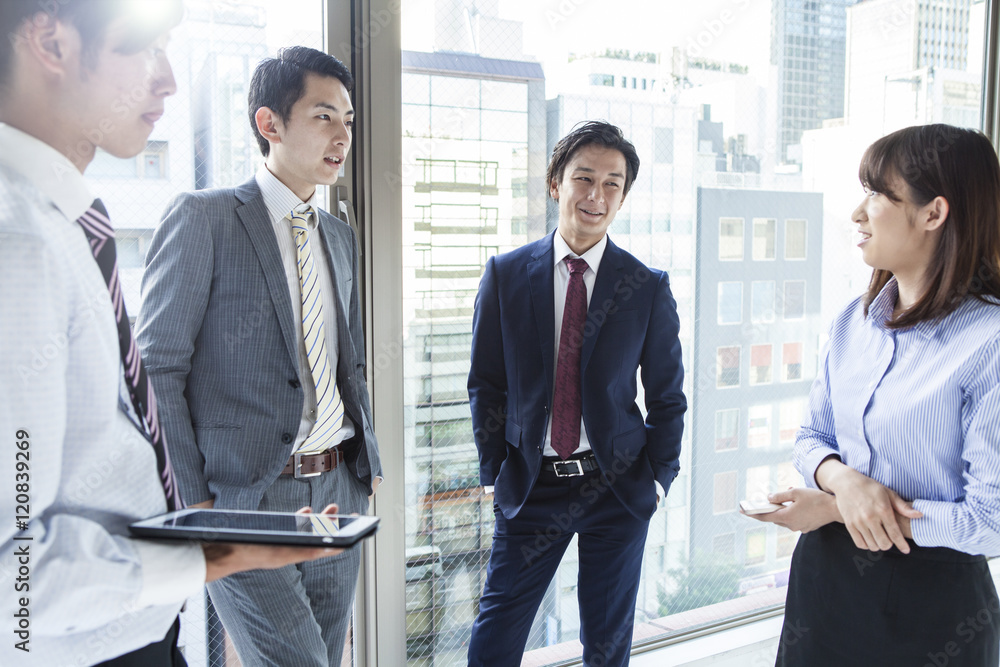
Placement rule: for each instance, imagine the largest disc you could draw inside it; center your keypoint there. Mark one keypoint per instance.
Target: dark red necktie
(101, 235)
(566, 401)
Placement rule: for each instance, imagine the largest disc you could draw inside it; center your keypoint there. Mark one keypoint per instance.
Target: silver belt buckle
(570, 463)
(297, 466)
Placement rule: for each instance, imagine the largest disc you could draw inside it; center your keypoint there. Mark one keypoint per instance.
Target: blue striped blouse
(917, 410)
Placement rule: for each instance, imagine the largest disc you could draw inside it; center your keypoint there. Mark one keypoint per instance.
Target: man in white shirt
(77, 75)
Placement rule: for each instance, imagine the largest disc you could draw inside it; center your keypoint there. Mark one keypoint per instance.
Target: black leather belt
(310, 465)
(570, 467)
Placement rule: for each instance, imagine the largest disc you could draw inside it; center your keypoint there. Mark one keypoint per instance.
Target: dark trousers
(526, 552)
(163, 653)
(849, 607)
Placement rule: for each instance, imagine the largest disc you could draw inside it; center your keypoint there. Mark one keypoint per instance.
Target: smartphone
(752, 507)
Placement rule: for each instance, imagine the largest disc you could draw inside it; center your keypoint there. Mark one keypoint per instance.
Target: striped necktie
(329, 406)
(101, 235)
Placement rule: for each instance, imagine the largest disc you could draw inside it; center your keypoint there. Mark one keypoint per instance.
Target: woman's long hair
(961, 166)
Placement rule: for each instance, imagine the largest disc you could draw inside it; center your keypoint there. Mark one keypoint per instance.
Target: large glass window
(749, 149)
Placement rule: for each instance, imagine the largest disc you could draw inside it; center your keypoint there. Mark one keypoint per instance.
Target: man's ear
(935, 213)
(554, 189)
(268, 124)
(53, 44)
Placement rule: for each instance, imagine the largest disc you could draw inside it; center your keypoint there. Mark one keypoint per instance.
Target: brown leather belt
(310, 465)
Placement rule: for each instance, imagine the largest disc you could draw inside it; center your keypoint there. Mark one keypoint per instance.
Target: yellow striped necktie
(329, 406)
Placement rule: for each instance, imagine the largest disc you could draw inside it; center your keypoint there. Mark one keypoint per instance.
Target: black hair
(90, 18)
(278, 83)
(585, 134)
(917, 164)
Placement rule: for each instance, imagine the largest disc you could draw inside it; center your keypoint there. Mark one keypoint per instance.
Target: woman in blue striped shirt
(900, 448)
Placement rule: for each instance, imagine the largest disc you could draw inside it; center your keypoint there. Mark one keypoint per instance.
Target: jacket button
(286, 438)
(294, 384)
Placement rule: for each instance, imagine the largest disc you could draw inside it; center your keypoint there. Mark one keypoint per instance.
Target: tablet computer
(282, 528)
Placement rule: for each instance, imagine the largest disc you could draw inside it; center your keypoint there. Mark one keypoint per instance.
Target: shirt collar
(48, 169)
(593, 257)
(880, 311)
(278, 199)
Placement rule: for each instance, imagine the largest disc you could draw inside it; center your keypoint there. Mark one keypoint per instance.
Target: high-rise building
(907, 63)
(808, 40)
(473, 185)
(756, 347)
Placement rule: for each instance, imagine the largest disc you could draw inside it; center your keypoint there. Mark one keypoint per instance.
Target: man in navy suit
(561, 327)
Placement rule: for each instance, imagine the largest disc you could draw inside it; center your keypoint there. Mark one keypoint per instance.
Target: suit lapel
(540, 279)
(253, 214)
(609, 273)
(330, 238)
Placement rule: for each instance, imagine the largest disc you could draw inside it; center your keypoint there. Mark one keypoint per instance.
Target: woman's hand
(808, 510)
(869, 509)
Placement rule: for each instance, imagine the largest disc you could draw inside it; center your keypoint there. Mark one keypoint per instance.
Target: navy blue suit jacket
(631, 324)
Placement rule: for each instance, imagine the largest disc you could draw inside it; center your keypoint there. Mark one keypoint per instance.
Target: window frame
(367, 33)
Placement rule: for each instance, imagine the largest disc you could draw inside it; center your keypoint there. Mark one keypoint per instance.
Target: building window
(756, 546)
(730, 303)
(795, 239)
(728, 366)
(730, 239)
(791, 362)
(789, 419)
(795, 299)
(727, 429)
(762, 301)
(759, 426)
(153, 160)
(760, 364)
(724, 492)
(764, 230)
(602, 80)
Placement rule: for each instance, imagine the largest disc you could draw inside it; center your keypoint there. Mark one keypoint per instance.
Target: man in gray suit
(251, 332)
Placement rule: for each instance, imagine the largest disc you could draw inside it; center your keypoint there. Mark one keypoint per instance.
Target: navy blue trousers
(527, 550)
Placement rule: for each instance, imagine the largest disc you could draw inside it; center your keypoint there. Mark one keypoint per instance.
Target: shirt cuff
(659, 490)
(171, 573)
(811, 461)
(488, 490)
(934, 528)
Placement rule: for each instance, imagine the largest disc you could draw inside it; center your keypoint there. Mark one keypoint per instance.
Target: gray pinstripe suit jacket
(218, 339)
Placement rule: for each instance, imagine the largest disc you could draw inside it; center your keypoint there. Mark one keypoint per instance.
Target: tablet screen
(263, 527)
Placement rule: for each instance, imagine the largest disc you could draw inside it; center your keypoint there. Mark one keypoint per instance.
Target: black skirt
(849, 607)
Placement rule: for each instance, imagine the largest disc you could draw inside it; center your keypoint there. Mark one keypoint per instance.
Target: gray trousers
(296, 615)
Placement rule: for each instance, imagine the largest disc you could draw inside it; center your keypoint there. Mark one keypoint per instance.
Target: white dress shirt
(93, 593)
(279, 201)
(560, 281)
